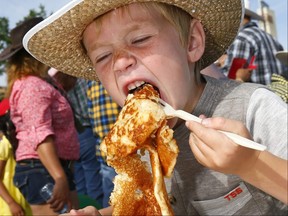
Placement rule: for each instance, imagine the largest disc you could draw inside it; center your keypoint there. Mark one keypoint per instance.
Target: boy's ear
(196, 41)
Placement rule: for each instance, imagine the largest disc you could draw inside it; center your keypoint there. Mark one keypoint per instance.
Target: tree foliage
(5, 29)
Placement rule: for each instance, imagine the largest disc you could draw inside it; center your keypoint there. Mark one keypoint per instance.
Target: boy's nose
(123, 61)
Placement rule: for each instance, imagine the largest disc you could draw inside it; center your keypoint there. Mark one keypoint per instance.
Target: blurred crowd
(52, 123)
(256, 57)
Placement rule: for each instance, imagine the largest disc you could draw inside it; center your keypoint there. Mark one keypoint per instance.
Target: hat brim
(283, 57)
(56, 41)
(253, 15)
(10, 51)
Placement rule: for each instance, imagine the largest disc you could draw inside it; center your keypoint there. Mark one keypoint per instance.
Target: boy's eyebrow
(134, 27)
(96, 45)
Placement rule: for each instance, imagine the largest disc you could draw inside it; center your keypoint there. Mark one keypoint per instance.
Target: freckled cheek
(101, 70)
(112, 90)
(107, 80)
(165, 65)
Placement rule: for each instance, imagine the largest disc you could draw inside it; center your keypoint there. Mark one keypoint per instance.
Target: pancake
(141, 126)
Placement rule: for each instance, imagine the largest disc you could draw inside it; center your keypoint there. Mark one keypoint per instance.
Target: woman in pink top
(47, 138)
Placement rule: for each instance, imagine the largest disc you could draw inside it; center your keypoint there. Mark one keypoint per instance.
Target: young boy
(167, 44)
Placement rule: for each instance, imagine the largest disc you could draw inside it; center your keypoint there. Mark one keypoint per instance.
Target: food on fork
(141, 125)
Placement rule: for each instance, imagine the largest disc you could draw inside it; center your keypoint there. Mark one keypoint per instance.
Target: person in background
(43, 118)
(220, 62)
(103, 113)
(167, 43)
(253, 41)
(12, 201)
(88, 178)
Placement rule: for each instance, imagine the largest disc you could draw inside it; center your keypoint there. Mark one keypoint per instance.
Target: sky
(15, 10)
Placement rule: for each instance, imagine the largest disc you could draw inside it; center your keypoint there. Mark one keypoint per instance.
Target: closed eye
(141, 39)
(102, 57)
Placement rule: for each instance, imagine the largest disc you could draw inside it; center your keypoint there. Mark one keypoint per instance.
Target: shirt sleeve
(4, 149)
(239, 49)
(34, 104)
(266, 119)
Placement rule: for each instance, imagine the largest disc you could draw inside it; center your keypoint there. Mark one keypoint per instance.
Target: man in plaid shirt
(252, 41)
(103, 113)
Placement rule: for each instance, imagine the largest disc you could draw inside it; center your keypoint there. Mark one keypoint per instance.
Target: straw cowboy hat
(16, 36)
(57, 40)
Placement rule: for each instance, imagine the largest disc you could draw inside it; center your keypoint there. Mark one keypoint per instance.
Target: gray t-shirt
(197, 190)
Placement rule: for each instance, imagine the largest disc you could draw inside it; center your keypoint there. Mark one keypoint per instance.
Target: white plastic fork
(171, 112)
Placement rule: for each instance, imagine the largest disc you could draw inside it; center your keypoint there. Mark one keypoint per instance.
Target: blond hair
(21, 65)
(179, 18)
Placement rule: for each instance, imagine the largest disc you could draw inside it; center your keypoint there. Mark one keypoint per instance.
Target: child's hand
(16, 209)
(215, 150)
(243, 74)
(60, 195)
(87, 211)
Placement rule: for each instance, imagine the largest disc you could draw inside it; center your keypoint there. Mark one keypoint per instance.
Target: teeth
(135, 85)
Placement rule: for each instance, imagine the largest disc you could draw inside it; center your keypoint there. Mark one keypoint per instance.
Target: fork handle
(244, 141)
(187, 116)
(235, 137)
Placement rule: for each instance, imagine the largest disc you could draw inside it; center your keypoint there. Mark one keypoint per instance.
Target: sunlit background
(273, 11)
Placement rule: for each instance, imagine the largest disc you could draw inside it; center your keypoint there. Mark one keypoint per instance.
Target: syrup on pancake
(141, 125)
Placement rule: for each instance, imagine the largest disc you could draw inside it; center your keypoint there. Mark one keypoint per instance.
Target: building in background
(247, 4)
(269, 24)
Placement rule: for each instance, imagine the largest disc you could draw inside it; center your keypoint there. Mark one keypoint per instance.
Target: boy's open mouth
(137, 88)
